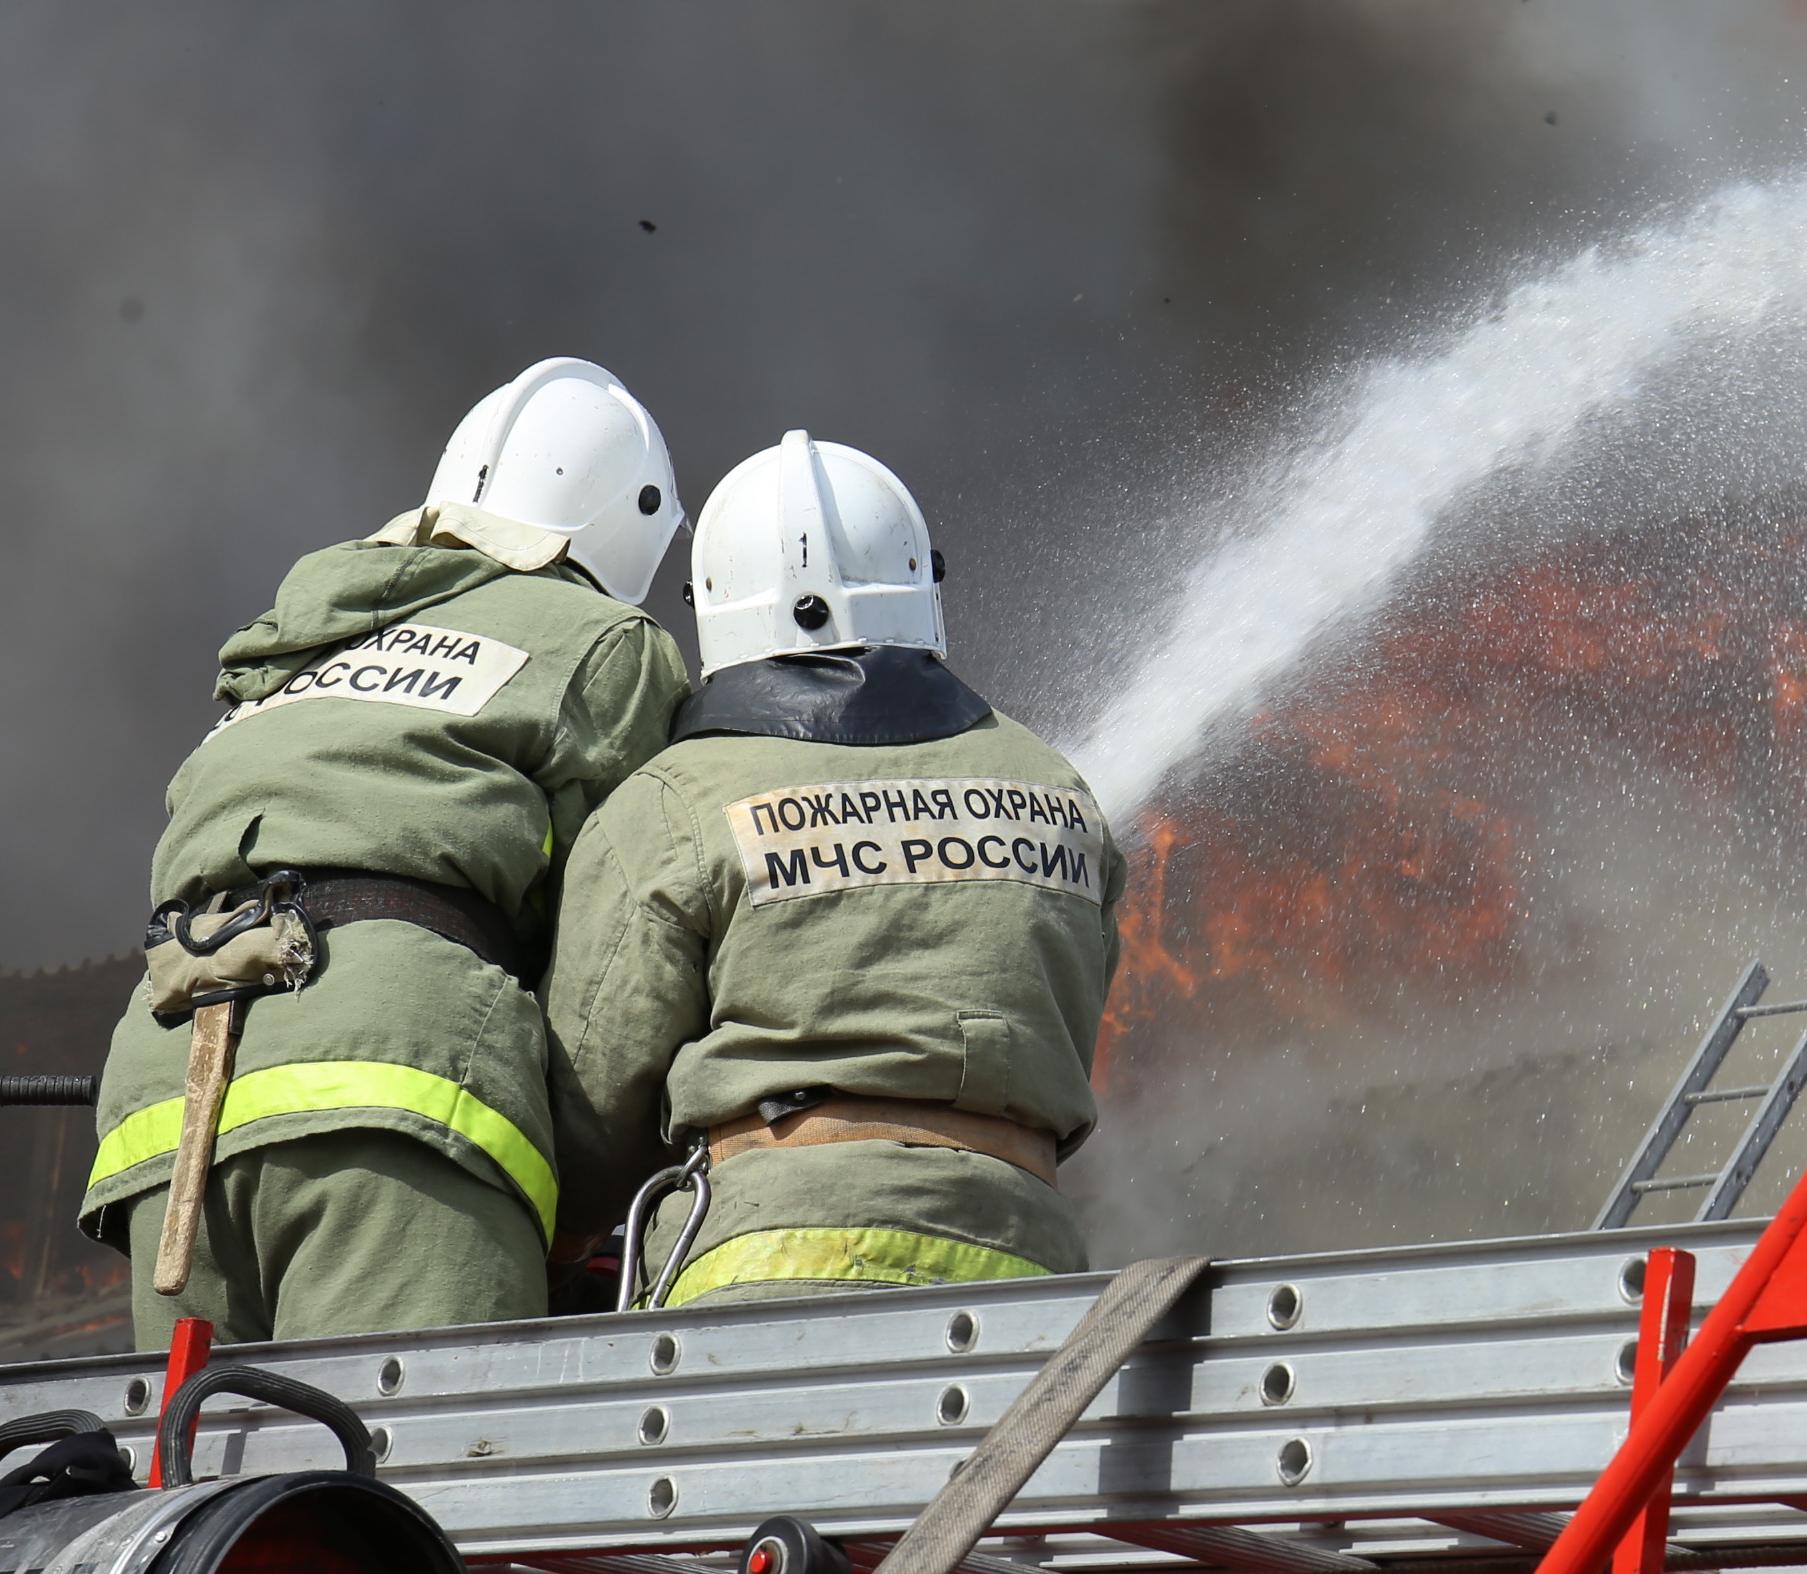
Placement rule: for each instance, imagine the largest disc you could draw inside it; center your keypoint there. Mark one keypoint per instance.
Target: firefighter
(847, 941)
(375, 824)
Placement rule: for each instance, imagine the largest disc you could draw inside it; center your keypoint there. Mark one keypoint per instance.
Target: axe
(212, 1045)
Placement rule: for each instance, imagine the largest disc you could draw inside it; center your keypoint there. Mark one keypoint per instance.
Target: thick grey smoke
(260, 259)
(1058, 262)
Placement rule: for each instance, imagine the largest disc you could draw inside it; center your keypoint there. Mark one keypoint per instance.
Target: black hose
(175, 1447)
(48, 1090)
(47, 1427)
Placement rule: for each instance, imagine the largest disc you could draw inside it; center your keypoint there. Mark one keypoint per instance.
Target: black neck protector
(879, 696)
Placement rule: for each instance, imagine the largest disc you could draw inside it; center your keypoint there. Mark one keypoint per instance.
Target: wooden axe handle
(211, 1046)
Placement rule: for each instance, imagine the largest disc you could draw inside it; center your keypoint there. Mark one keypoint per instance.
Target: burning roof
(1397, 843)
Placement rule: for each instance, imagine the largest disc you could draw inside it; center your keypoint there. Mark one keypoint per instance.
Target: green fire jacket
(749, 916)
(417, 705)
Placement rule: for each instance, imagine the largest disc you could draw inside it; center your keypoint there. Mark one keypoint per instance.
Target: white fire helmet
(566, 448)
(812, 546)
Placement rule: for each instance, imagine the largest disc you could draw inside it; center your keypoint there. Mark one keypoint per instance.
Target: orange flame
(1375, 837)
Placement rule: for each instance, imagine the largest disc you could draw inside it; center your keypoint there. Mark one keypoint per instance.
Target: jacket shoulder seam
(670, 785)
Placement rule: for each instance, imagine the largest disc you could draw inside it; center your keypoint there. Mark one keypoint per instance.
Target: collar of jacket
(879, 696)
(523, 548)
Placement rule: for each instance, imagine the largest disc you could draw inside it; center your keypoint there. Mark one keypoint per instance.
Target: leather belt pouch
(277, 954)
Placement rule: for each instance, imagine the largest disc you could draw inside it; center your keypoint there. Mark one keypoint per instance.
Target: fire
(15, 1243)
(99, 1278)
(1788, 680)
(1141, 927)
(1376, 838)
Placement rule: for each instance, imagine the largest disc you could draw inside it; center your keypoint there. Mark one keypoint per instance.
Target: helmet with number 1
(812, 546)
(566, 448)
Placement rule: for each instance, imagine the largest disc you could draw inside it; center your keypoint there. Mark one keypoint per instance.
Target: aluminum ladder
(1331, 1413)
(1774, 1099)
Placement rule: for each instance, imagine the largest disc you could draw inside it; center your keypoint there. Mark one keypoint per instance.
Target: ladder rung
(1725, 1095)
(1766, 1120)
(1536, 1532)
(1680, 1183)
(1231, 1547)
(1780, 1008)
(1653, 1151)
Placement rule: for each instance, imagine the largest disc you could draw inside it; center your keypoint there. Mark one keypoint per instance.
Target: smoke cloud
(1065, 266)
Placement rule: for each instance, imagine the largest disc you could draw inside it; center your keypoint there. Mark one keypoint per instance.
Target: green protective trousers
(864, 1215)
(340, 1233)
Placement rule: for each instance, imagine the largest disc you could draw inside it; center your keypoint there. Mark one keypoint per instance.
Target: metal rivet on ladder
(1294, 1463)
(137, 1396)
(390, 1376)
(962, 1332)
(665, 1353)
(1631, 1281)
(1277, 1384)
(382, 1440)
(951, 1407)
(661, 1497)
(655, 1424)
(128, 1456)
(1284, 1306)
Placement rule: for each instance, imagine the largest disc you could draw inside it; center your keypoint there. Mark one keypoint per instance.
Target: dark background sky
(1049, 259)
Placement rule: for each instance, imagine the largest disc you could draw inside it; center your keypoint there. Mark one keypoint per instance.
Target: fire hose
(48, 1090)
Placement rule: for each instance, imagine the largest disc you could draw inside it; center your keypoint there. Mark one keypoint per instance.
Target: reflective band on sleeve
(870, 1255)
(311, 1087)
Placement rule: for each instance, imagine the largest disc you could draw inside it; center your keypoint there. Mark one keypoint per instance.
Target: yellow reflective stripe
(870, 1254)
(308, 1087)
(546, 846)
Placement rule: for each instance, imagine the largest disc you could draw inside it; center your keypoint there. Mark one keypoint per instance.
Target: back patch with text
(841, 836)
(411, 664)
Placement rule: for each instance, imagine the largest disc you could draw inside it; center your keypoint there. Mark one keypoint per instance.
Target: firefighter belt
(913, 1122)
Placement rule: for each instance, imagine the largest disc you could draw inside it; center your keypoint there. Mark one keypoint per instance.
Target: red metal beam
(189, 1347)
(1662, 1335)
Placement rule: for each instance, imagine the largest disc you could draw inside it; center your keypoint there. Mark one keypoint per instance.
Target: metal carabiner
(692, 1176)
(657, 1184)
(281, 889)
(696, 1179)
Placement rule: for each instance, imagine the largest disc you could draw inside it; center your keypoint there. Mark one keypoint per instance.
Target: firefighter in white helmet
(378, 820)
(847, 940)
